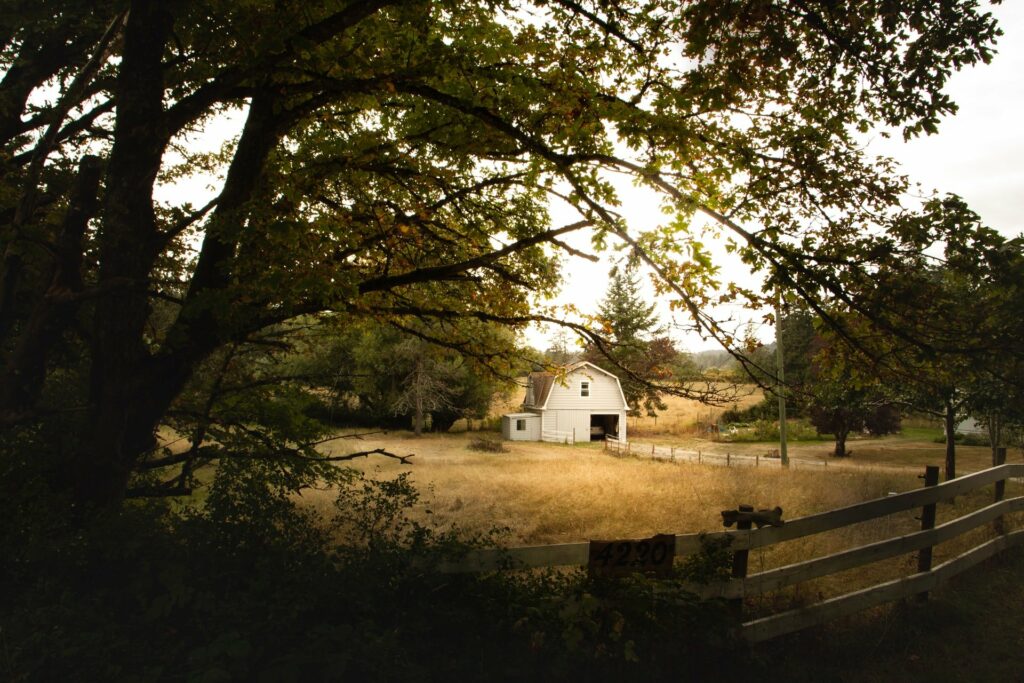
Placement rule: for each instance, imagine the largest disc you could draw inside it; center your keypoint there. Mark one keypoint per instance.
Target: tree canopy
(946, 331)
(396, 161)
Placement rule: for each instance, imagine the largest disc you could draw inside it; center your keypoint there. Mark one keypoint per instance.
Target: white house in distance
(584, 404)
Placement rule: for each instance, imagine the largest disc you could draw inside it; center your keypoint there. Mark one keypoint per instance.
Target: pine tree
(624, 310)
(640, 353)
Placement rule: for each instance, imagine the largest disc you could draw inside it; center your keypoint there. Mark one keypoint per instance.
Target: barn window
(584, 388)
(520, 425)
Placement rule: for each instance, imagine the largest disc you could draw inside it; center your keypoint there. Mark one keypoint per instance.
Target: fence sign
(645, 555)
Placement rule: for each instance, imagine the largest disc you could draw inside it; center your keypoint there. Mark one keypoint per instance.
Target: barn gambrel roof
(543, 381)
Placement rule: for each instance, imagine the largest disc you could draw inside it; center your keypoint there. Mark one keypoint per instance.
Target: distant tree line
(938, 334)
(376, 375)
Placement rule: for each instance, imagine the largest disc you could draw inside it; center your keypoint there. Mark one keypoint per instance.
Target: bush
(265, 593)
(966, 439)
(768, 430)
(766, 409)
(489, 424)
(487, 445)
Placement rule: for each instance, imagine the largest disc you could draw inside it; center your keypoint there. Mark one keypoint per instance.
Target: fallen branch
(404, 459)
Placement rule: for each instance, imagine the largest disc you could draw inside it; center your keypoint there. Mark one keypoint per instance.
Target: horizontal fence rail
(672, 453)
(774, 579)
(740, 541)
(843, 605)
(528, 557)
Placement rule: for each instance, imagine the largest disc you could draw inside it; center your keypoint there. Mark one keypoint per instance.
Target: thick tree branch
(25, 368)
(458, 270)
(608, 26)
(404, 459)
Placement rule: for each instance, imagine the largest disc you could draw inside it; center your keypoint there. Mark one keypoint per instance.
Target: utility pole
(780, 372)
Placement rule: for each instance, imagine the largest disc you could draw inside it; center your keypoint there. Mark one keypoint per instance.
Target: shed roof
(542, 382)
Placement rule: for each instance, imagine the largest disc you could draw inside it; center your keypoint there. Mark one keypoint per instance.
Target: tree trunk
(418, 389)
(131, 389)
(22, 377)
(121, 407)
(949, 422)
(841, 435)
(995, 436)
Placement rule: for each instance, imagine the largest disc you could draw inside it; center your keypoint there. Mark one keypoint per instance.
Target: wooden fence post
(700, 458)
(997, 524)
(652, 450)
(739, 561)
(757, 459)
(924, 556)
(728, 459)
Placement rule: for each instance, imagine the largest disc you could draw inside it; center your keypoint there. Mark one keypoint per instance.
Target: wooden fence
(770, 458)
(741, 541)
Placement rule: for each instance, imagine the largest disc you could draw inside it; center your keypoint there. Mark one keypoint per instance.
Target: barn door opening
(602, 426)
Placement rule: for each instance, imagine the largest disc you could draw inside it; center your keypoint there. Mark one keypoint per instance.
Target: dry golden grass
(685, 417)
(547, 493)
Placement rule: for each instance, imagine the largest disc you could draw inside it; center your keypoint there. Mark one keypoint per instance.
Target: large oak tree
(397, 159)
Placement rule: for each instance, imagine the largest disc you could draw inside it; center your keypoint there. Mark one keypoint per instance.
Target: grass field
(550, 493)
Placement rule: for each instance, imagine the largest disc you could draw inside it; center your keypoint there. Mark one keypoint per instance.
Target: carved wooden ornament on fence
(652, 555)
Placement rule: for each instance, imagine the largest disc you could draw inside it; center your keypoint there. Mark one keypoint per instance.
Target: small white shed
(520, 427)
(581, 403)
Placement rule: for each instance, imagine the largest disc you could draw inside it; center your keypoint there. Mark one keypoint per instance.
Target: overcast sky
(978, 154)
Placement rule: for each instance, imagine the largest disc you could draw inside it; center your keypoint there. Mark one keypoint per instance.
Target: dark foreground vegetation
(255, 590)
(251, 590)
(967, 631)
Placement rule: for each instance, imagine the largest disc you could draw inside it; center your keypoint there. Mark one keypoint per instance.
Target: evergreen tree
(628, 318)
(639, 352)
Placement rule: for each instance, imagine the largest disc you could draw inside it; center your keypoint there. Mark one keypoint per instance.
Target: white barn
(583, 404)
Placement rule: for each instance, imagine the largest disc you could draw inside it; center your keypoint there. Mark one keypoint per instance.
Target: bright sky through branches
(977, 154)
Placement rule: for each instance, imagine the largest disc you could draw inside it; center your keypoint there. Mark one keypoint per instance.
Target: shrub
(487, 445)
(765, 409)
(768, 430)
(966, 439)
(489, 424)
(263, 592)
